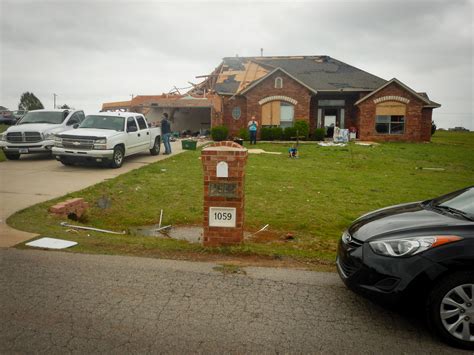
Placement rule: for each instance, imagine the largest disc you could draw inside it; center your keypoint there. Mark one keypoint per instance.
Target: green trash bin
(188, 144)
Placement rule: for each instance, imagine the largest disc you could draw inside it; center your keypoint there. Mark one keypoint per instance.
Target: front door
(133, 138)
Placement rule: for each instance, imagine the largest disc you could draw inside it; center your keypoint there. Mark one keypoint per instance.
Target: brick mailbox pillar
(224, 173)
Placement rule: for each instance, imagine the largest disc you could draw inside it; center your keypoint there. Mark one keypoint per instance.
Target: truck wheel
(117, 158)
(12, 156)
(451, 309)
(156, 147)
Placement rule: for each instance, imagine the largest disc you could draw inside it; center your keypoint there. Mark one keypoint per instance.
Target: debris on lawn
(162, 228)
(261, 229)
(432, 169)
(331, 144)
(51, 243)
(289, 236)
(65, 224)
(260, 151)
(161, 218)
(104, 202)
(367, 144)
(73, 208)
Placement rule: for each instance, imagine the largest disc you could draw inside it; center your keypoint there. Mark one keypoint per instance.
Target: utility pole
(54, 97)
(131, 96)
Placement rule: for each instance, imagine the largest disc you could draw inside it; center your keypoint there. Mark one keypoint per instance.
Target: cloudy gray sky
(89, 52)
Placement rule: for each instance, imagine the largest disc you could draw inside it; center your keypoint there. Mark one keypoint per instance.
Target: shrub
(277, 133)
(302, 128)
(266, 134)
(319, 134)
(289, 133)
(244, 134)
(219, 133)
(433, 127)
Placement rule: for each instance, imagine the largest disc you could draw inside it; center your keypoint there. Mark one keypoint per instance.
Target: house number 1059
(222, 217)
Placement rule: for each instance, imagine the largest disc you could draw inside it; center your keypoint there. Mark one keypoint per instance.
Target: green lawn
(315, 197)
(3, 127)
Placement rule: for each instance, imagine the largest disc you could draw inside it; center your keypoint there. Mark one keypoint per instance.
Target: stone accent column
(224, 173)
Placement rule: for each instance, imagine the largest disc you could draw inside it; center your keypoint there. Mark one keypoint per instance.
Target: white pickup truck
(107, 137)
(34, 133)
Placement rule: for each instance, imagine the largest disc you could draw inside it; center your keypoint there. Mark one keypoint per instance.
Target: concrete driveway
(38, 178)
(56, 303)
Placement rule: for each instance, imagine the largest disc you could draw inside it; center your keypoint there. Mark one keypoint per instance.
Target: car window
(75, 119)
(463, 201)
(81, 116)
(131, 123)
(141, 122)
(103, 122)
(53, 117)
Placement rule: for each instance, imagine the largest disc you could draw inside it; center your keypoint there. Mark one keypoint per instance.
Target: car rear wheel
(117, 158)
(451, 309)
(66, 161)
(156, 147)
(12, 156)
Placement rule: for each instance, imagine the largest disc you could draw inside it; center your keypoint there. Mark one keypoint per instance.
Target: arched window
(278, 83)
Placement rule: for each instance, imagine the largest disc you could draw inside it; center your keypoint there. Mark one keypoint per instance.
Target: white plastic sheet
(51, 243)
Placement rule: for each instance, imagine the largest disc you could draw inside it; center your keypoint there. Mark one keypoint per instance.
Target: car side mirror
(132, 129)
(75, 125)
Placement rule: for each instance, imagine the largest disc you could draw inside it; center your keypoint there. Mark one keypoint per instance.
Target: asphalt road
(36, 178)
(56, 302)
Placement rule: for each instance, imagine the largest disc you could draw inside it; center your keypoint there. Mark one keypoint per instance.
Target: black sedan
(418, 253)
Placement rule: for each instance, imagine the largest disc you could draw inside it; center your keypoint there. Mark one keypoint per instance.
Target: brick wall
(250, 106)
(227, 119)
(417, 119)
(236, 157)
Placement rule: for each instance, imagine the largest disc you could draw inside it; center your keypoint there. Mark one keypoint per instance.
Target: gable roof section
(319, 73)
(256, 82)
(422, 96)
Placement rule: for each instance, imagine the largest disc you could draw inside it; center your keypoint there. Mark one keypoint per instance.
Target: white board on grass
(51, 243)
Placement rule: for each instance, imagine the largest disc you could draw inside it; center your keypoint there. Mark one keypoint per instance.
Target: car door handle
(139, 134)
(147, 133)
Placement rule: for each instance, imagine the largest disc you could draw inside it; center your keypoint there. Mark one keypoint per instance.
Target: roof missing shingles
(320, 73)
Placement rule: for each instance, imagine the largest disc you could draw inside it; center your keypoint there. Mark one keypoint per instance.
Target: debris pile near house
(73, 208)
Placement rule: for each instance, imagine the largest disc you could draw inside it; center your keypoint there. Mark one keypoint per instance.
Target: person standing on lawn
(166, 133)
(252, 126)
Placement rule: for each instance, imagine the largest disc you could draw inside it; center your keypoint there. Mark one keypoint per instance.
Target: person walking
(166, 133)
(252, 126)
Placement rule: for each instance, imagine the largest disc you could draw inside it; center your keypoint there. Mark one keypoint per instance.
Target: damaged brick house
(319, 89)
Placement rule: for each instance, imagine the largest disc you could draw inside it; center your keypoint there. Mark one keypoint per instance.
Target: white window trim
(391, 98)
(278, 98)
(279, 80)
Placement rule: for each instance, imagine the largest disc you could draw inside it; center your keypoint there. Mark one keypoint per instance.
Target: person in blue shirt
(166, 133)
(293, 152)
(252, 126)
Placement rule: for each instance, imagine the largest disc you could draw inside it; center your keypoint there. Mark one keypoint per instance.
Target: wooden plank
(267, 114)
(275, 113)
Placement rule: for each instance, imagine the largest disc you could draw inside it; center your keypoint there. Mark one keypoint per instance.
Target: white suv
(34, 133)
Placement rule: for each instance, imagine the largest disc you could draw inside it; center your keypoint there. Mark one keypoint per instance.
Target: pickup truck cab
(35, 131)
(107, 137)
